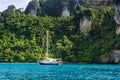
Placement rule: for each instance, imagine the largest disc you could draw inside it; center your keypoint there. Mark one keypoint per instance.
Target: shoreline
(61, 63)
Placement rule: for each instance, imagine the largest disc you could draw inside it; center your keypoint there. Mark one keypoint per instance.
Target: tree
(11, 8)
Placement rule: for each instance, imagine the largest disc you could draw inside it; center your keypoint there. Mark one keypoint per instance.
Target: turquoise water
(62, 72)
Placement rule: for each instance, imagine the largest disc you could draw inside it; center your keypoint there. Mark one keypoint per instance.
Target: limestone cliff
(32, 7)
(117, 16)
(113, 57)
(57, 7)
(85, 24)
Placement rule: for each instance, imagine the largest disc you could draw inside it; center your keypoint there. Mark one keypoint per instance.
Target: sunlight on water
(62, 72)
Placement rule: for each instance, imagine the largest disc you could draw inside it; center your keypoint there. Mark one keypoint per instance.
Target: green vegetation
(22, 35)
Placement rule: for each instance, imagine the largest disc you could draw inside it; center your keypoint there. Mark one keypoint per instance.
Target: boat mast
(43, 44)
(46, 43)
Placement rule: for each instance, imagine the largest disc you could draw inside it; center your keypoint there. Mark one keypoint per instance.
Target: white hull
(48, 63)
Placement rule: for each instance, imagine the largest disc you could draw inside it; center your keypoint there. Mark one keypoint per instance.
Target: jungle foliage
(22, 35)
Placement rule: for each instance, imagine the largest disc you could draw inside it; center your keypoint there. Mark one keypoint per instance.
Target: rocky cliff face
(117, 16)
(117, 12)
(117, 56)
(85, 24)
(51, 7)
(113, 57)
(32, 7)
(65, 12)
(57, 7)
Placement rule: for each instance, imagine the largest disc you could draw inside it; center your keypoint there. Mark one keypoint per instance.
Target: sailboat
(49, 61)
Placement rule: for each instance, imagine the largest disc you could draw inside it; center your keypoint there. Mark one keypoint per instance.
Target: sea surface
(22, 71)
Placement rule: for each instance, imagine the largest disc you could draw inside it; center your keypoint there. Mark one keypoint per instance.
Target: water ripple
(62, 72)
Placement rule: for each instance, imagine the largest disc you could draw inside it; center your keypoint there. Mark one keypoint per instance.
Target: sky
(17, 3)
